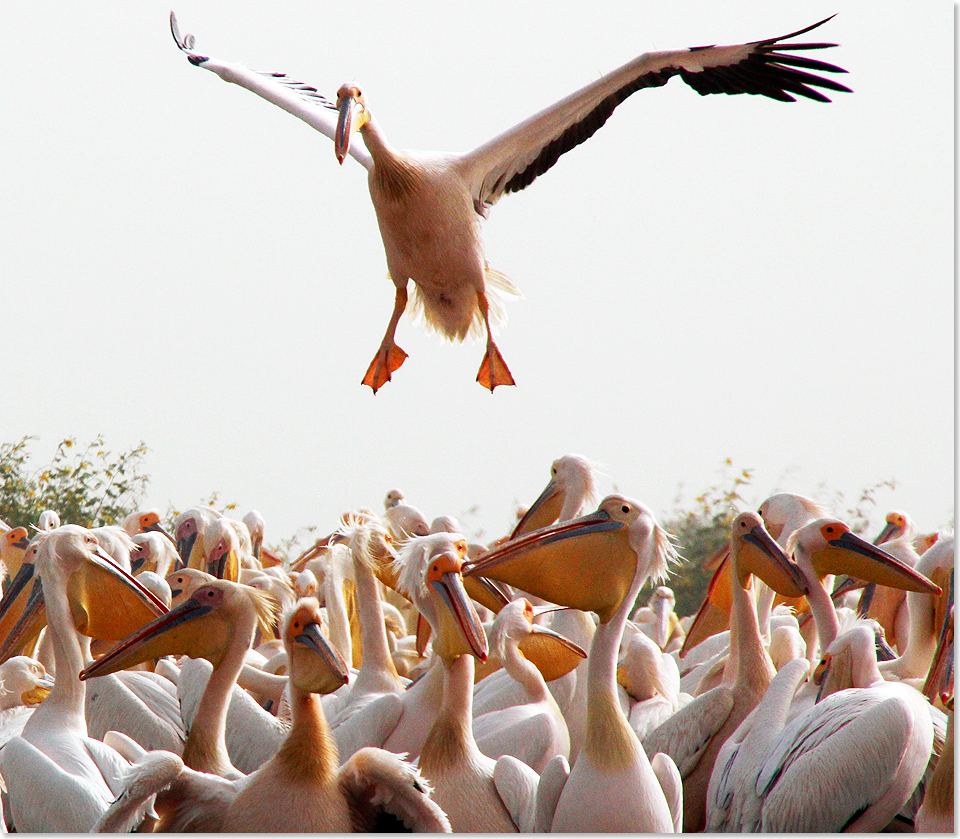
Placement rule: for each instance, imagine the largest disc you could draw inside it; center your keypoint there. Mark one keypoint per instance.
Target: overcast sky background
(706, 278)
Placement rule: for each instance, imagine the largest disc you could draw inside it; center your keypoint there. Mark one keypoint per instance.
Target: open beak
(181, 631)
(320, 668)
(107, 603)
(849, 554)
(585, 563)
(351, 116)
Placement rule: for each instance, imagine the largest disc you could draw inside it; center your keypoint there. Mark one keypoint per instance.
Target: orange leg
(493, 370)
(389, 357)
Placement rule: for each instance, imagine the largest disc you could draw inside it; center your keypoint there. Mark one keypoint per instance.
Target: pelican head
(23, 681)
(429, 572)
(315, 666)
(587, 563)
(830, 547)
(755, 552)
(553, 655)
(353, 115)
(201, 626)
(571, 480)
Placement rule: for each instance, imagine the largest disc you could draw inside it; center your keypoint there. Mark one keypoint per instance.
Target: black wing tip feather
(771, 70)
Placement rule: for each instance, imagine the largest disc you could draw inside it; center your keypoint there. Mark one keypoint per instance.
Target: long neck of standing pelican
(71, 651)
(377, 668)
(338, 622)
(206, 747)
(821, 607)
(309, 750)
(524, 671)
(609, 736)
(748, 660)
(450, 741)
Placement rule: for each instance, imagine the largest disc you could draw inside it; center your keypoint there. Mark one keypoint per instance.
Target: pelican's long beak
(351, 117)
(847, 553)
(106, 602)
(939, 681)
(586, 563)
(38, 693)
(320, 668)
(150, 523)
(22, 615)
(714, 615)
(766, 559)
(542, 513)
(552, 653)
(184, 630)
(460, 631)
(225, 567)
(185, 547)
(486, 593)
(891, 530)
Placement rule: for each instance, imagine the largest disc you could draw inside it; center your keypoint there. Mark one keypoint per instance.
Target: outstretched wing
(297, 98)
(512, 160)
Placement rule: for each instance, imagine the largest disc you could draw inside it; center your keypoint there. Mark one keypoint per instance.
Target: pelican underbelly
(431, 235)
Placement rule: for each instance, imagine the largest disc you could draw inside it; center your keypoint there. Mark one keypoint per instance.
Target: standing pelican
(59, 779)
(429, 206)
(848, 763)
(598, 563)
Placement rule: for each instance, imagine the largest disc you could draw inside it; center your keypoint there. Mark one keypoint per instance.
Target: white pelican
(827, 546)
(465, 781)
(694, 735)
(925, 618)
(429, 206)
(300, 788)
(13, 543)
(153, 552)
(598, 563)
(571, 490)
(59, 779)
(216, 622)
(849, 763)
(652, 681)
(532, 729)
(145, 521)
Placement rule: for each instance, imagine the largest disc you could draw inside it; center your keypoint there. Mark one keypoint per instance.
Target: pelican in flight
(429, 206)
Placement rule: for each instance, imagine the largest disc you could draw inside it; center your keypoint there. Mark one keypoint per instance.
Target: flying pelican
(59, 779)
(429, 206)
(598, 563)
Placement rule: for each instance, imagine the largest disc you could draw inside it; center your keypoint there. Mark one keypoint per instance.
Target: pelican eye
(625, 508)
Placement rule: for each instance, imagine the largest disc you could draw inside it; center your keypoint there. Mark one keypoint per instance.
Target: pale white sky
(706, 278)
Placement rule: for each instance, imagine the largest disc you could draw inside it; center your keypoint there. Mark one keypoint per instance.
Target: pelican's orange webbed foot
(494, 370)
(384, 363)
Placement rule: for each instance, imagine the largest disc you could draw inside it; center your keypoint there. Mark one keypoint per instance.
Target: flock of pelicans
(395, 676)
